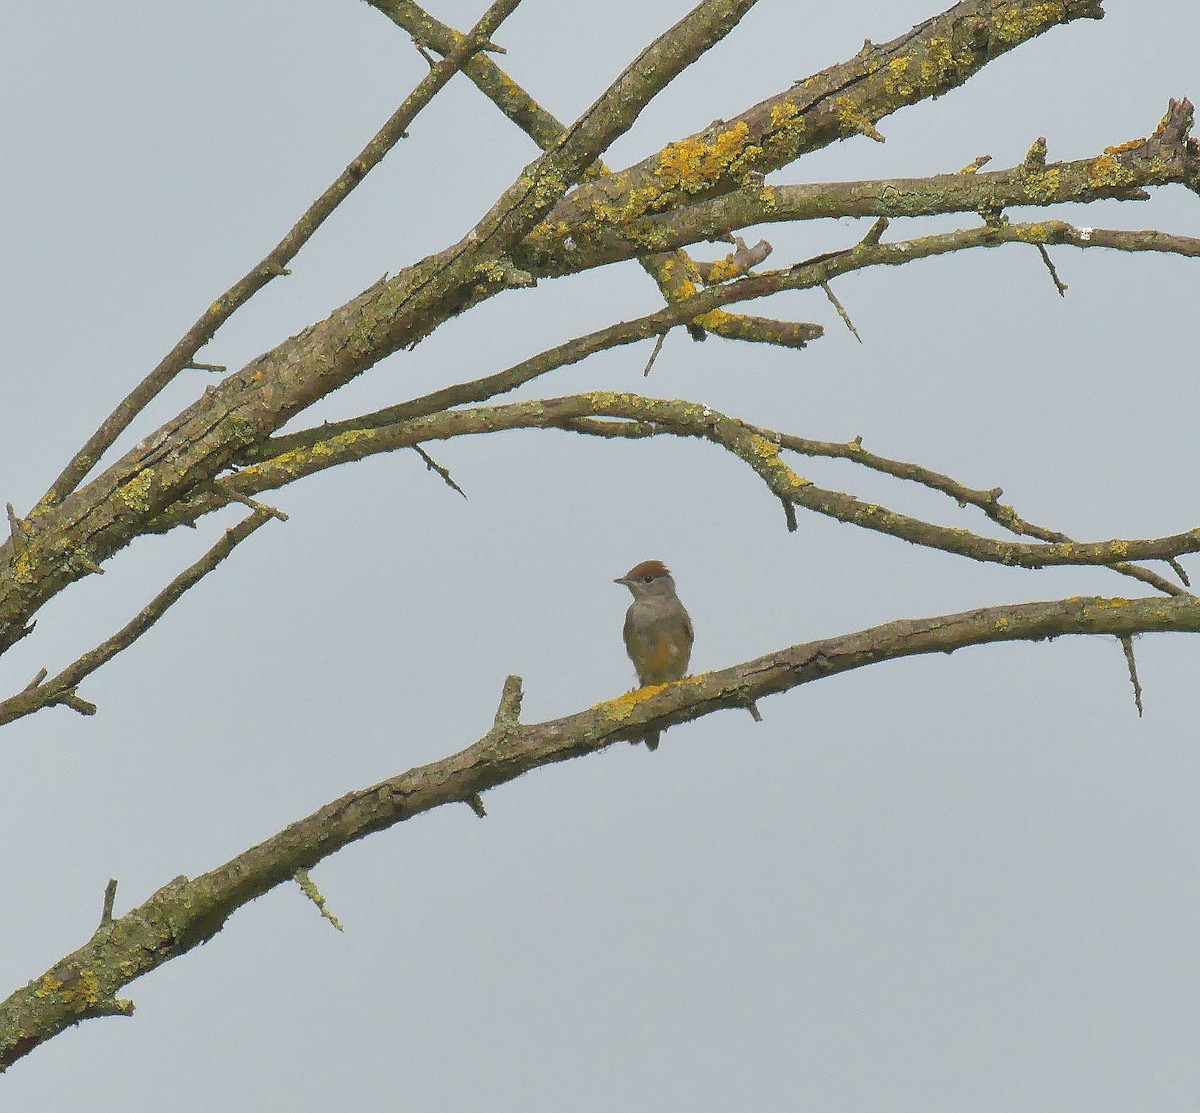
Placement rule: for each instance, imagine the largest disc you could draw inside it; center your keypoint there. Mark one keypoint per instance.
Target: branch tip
(17, 526)
(509, 712)
(1035, 157)
(75, 702)
(658, 346)
(841, 310)
(261, 509)
(976, 164)
(110, 897)
(113, 1006)
(86, 563)
(1059, 284)
(475, 802)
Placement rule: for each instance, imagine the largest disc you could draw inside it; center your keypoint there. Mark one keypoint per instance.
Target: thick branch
(186, 913)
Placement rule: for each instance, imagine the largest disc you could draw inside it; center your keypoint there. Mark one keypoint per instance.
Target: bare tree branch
(253, 402)
(672, 271)
(1124, 171)
(760, 449)
(845, 100)
(185, 913)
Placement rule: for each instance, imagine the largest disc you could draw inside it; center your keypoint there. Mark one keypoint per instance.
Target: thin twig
(17, 527)
(309, 888)
(432, 465)
(976, 164)
(1059, 284)
(72, 699)
(1127, 645)
(256, 506)
(658, 344)
(841, 310)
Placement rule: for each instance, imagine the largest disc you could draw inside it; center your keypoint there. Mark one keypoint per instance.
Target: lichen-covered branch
(760, 448)
(845, 100)
(673, 271)
(67, 540)
(187, 912)
(1170, 156)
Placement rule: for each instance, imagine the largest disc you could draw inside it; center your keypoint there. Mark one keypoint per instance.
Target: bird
(658, 630)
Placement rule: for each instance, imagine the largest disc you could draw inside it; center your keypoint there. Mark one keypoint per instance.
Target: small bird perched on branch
(658, 630)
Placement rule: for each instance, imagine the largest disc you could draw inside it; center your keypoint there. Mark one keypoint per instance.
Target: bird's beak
(621, 580)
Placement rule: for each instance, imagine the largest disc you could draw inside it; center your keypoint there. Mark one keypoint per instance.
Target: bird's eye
(647, 579)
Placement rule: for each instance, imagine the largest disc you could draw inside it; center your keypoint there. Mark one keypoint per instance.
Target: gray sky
(962, 883)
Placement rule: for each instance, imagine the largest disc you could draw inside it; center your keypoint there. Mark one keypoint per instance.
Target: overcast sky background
(955, 883)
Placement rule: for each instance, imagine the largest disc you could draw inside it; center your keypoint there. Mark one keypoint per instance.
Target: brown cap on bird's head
(645, 572)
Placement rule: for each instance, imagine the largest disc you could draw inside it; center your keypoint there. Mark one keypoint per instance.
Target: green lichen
(1043, 187)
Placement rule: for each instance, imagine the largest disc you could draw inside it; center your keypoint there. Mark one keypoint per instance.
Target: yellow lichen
(694, 164)
(783, 114)
(23, 571)
(1013, 25)
(723, 270)
(1045, 186)
(854, 120)
(763, 448)
(622, 707)
(1107, 172)
(134, 493)
(898, 82)
(85, 990)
